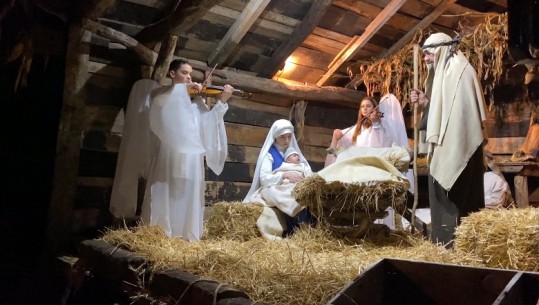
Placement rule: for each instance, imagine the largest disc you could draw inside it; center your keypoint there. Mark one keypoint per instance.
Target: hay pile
(502, 238)
(308, 268)
(312, 266)
(233, 220)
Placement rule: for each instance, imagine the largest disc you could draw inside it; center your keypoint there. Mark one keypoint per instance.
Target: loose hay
(233, 220)
(309, 268)
(501, 238)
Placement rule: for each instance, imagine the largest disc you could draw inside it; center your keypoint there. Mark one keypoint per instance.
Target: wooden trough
(392, 281)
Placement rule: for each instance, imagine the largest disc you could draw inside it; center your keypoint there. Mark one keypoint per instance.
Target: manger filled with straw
(350, 194)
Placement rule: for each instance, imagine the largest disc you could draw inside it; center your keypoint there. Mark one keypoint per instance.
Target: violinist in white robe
(184, 132)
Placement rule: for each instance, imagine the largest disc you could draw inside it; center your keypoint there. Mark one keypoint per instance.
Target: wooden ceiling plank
(266, 15)
(263, 26)
(186, 14)
(236, 32)
(425, 22)
(369, 32)
(300, 33)
(150, 3)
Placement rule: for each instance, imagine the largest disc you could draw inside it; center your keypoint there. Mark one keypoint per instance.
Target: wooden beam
(302, 31)
(69, 138)
(146, 55)
(166, 53)
(254, 85)
(358, 42)
(329, 94)
(183, 16)
(232, 38)
(424, 23)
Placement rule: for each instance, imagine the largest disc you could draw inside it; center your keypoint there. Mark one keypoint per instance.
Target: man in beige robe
(455, 135)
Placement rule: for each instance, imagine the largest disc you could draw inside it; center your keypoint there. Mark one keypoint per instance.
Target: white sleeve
(214, 137)
(267, 177)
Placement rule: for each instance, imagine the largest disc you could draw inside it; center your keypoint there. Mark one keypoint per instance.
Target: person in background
(454, 111)
(497, 191)
(282, 214)
(186, 132)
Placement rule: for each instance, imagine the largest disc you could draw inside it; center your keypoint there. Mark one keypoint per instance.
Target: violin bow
(208, 77)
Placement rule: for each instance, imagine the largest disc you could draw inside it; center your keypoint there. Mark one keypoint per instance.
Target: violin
(214, 91)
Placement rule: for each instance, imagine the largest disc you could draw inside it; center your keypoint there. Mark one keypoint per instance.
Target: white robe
(185, 132)
(497, 191)
(134, 153)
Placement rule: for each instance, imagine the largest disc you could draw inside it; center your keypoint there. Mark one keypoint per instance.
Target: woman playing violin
(368, 131)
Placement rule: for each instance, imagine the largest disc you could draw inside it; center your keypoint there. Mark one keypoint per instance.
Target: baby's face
(293, 158)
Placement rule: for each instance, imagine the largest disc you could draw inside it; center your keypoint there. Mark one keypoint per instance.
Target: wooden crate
(392, 281)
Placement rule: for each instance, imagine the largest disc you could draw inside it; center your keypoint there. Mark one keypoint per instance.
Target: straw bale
(308, 268)
(502, 238)
(233, 220)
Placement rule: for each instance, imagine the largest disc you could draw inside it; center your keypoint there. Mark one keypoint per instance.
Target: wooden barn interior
(67, 68)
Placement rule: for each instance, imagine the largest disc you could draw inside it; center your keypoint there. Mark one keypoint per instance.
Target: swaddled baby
(292, 163)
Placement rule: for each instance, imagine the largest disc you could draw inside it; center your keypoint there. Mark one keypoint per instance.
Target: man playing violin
(187, 132)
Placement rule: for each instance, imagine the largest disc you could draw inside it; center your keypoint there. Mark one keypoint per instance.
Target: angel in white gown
(181, 134)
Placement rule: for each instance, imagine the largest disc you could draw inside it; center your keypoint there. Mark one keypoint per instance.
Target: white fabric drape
(174, 197)
(135, 150)
(394, 124)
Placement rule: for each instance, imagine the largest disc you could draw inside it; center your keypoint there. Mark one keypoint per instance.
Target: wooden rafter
(232, 38)
(184, 15)
(302, 30)
(424, 23)
(146, 55)
(358, 42)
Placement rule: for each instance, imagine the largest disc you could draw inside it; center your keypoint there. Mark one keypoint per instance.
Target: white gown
(134, 153)
(185, 133)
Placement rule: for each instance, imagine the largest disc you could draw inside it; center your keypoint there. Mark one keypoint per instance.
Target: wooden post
(166, 53)
(66, 165)
(416, 135)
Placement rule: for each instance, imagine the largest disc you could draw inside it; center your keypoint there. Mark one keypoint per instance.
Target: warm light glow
(289, 65)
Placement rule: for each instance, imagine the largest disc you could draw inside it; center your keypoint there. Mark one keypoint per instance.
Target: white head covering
(278, 128)
(289, 151)
(393, 120)
(394, 124)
